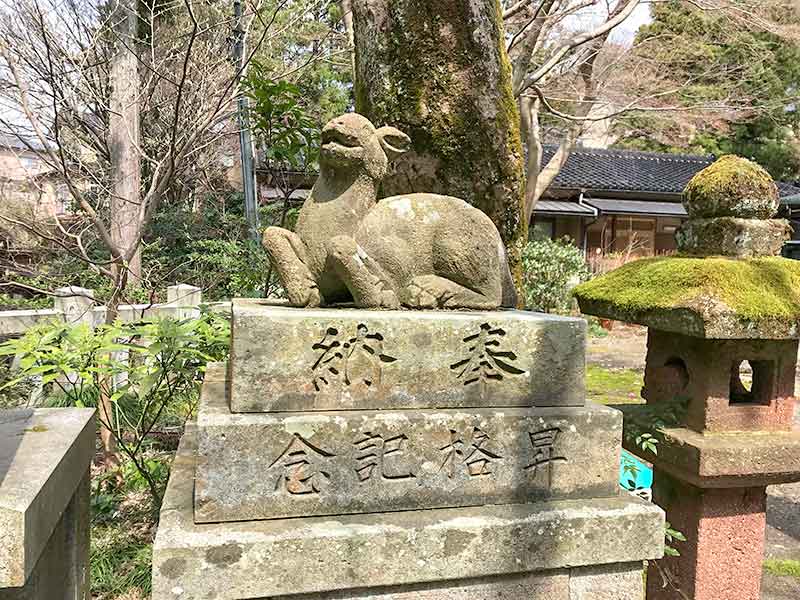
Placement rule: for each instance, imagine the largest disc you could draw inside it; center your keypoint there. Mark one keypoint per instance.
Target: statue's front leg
(364, 279)
(288, 254)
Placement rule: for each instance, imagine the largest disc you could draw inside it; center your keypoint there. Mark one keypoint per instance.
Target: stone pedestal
(724, 549)
(401, 455)
(713, 489)
(45, 456)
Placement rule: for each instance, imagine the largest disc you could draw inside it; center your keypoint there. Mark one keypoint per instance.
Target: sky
(595, 15)
(627, 30)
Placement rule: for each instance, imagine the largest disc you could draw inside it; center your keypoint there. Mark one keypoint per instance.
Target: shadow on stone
(782, 515)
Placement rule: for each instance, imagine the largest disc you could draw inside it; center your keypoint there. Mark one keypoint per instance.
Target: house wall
(636, 236)
(25, 187)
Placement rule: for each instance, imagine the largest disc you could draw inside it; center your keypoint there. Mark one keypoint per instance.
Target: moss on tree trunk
(438, 70)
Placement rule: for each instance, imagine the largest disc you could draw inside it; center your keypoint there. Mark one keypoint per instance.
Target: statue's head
(351, 143)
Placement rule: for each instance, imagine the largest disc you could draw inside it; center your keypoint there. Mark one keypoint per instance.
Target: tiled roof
(627, 170)
(788, 189)
(8, 140)
(616, 170)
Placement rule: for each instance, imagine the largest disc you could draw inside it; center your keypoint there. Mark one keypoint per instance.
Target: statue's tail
(509, 290)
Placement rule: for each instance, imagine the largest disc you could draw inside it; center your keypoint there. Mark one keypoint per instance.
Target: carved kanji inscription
(350, 360)
(485, 360)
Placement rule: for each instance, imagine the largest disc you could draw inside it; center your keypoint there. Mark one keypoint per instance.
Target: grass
(613, 386)
(123, 529)
(782, 567)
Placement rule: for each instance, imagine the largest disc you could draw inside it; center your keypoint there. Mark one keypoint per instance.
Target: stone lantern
(723, 321)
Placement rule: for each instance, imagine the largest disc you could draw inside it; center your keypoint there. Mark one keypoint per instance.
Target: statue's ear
(393, 141)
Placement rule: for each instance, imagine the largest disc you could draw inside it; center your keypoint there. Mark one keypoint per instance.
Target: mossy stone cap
(732, 187)
(714, 298)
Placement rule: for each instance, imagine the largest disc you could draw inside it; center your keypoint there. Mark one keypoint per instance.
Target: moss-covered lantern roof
(712, 297)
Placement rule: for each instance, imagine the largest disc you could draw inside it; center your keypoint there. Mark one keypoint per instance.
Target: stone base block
(729, 236)
(44, 456)
(723, 555)
(62, 571)
(606, 582)
(287, 359)
(264, 466)
(281, 557)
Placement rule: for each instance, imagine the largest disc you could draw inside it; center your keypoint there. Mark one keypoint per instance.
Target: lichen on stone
(731, 187)
(759, 289)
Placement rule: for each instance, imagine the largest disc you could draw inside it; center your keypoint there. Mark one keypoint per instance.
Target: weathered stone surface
(607, 582)
(44, 455)
(732, 187)
(724, 460)
(728, 236)
(707, 374)
(421, 250)
(285, 359)
(604, 582)
(550, 585)
(264, 558)
(266, 466)
(62, 571)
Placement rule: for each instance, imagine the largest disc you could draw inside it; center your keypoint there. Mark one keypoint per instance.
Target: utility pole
(245, 139)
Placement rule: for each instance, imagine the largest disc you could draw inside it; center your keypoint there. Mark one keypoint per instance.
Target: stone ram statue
(417, 250)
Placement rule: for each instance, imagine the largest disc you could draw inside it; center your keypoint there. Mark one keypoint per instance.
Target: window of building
(29, 162)
(543, 229)
(635, 235)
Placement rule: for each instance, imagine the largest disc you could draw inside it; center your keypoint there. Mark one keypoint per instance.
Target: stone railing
(77, 305)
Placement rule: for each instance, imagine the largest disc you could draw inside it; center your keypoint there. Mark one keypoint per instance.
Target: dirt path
(625, 348)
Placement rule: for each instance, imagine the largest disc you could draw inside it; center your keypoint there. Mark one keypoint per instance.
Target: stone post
(186, 299)
(45, 455)
(75, 303)
(724, 322)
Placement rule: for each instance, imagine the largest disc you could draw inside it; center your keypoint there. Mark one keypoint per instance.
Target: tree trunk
(125, 217)
(123, 132)
(347, 17)
(438, 70)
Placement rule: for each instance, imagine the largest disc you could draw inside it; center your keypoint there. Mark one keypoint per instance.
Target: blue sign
(634, 474)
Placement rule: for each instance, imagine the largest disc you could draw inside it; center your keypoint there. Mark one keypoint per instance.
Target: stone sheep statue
(418, 250)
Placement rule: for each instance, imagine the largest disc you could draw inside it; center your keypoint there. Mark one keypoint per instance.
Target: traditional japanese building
(624, 200)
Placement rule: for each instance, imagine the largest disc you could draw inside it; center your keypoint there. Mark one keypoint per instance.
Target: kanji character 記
(376, 452)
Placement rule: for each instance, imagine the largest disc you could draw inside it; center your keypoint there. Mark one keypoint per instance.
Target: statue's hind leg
(363, 277)
(287, 253)
(432, 291)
